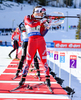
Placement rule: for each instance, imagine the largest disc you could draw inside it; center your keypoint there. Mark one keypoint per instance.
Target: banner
(50, 44)
(59, 44)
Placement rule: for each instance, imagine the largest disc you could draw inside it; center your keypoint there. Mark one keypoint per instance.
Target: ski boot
(17, 74)
(48, 83)
(38, 74)
(10, 55)
(21, 83)
(22, 80)
(16, 57)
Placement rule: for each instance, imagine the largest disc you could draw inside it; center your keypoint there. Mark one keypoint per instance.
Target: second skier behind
(16, 42)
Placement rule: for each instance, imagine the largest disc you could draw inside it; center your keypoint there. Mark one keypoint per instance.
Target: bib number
(36, 28)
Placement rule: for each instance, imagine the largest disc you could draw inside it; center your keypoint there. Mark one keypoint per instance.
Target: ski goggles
(40, 10)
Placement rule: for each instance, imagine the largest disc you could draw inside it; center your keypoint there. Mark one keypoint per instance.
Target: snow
(4, 59)
(10, 17)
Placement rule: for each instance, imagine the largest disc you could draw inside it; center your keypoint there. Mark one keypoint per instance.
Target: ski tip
(18, 87)
(10, 91)
(52, 92)
(39, 79)
(14, 78)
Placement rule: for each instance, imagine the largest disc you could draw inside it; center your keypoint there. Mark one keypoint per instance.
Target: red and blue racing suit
(35, 31)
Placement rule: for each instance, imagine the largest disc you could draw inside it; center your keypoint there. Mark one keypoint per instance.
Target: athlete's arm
(19, 37)
(12, 36)
(44, 32)
(30, 22)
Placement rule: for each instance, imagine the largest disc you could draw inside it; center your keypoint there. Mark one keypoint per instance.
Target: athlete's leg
(36, 65)
(30, 55)
(23, 57)
(16, 46)
(43, 56)
(11, 52)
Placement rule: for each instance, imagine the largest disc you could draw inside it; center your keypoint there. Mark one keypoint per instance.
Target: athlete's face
(38, 14)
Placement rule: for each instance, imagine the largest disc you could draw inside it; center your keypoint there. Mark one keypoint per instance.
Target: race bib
(36, 28)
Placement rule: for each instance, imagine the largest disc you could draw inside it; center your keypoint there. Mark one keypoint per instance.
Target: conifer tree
(0, 1)
(68, 2)
(78, 31)
(42, 2)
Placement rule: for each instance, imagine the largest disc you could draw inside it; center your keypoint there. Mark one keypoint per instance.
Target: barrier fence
(5, 43)
(67, 56)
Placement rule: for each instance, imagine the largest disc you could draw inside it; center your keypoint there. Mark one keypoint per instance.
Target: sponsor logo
(49, 44)
(59, 44)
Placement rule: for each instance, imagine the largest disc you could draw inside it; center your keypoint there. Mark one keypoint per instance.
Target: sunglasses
(43, 10)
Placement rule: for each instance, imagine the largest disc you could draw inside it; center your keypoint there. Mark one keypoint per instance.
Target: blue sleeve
(44, 32)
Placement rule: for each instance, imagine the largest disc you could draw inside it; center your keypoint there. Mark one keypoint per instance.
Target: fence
(5, 43)
(66, 56)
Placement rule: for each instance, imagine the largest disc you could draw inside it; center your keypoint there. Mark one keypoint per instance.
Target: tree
(42, 2)
(0, 1)
(75, 4)
(78, 31)
(68, 2)
(20, 1)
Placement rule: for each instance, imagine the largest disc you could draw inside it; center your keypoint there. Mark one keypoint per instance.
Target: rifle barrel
(64, 16)
(72, 16)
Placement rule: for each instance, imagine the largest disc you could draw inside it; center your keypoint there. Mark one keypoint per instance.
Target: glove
(12, 42)
(20, 43)
(43, 20)
(48, 23)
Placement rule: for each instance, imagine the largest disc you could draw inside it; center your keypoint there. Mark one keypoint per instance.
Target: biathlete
(15, 41)
(24, 52)
(36, 30)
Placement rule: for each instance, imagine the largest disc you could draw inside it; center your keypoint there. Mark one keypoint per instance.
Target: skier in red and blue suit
(16, 42)
(36, 29)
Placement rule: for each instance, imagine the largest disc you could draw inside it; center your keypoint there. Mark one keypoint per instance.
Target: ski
(79, 56)
(39, 78)
(14, 64)
(29, 87)
(33, 86)
(36, 85)
(15, 77)
(32, 70)
(16, 59)
(8, 58)
(50, 89)
(31, 65)
(18, 87)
